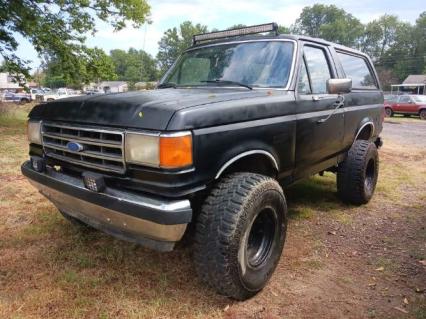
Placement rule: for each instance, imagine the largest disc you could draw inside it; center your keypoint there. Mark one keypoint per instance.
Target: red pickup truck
(407, 105)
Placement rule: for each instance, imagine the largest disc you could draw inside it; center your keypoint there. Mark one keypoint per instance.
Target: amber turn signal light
(175, 150)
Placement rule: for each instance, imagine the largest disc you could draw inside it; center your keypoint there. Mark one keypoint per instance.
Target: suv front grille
(100, 148)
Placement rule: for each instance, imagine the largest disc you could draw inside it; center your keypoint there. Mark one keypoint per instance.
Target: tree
(174, 42)
(283, 30)
(98, 66)
(94, 65)
(407, 53)
(379, 35)
(58, 26)
(329, 23)
(134, 66)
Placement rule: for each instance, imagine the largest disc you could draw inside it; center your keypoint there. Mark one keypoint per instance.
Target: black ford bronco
(237, 113)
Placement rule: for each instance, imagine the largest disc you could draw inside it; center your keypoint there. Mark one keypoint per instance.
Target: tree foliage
(175, 41)
(58, 27)
(380, 35)
(331, 23)
(94, 65)
(397, 48)
(134, 65)
(57, 30)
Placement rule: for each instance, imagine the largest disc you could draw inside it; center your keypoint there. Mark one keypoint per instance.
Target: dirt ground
(339, 261)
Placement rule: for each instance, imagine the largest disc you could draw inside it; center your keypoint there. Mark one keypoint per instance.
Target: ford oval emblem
(74, 146)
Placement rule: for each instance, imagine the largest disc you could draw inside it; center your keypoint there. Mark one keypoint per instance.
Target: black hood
(143, 109)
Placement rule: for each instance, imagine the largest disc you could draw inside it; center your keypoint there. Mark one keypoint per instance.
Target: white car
(35, 92)
(56, 95)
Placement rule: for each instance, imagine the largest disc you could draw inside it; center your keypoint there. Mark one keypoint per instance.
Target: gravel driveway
(405, 131)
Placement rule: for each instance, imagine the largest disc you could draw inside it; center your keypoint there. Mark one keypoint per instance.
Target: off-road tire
(232, 226)
(422, 114)
(357, 175)
(75, 221)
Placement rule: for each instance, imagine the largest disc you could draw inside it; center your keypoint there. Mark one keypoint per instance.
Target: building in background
(413, 84)
(415, 78)
(7, 83)
(112, 86)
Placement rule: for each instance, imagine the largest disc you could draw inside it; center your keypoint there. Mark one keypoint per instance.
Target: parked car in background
(407, 105)
(21, 98)
(93, 92)
(390, 98)
(35, 92)
(56, 95)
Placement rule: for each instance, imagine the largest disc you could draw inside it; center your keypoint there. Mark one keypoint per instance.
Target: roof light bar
(269, 27)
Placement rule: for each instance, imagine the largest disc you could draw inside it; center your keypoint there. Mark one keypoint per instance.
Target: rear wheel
(357, 175)
(388, 112)
(422, 114)
(240, 234)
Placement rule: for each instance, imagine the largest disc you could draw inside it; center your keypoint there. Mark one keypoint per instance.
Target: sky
(221, 14)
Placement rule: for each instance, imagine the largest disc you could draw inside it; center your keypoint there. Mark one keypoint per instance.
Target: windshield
(419, 98)
(256, 64)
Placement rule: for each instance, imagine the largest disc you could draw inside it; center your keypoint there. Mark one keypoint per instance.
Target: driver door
(320, 124)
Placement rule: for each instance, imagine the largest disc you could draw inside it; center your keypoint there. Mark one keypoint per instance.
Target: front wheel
(240, 234)
(422, 114)
(357, 175)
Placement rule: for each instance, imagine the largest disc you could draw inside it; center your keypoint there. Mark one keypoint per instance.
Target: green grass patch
(13, 117)
(314, 264)
(342, 217)
(301, 212)
(388, 265)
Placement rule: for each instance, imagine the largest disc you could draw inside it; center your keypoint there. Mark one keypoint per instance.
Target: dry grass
(52, 269)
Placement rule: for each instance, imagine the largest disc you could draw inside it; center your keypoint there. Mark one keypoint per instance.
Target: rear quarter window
(356, 68)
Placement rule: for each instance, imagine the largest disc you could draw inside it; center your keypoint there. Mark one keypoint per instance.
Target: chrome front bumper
(153, 222)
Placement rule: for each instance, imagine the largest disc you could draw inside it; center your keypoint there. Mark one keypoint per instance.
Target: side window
(404, 99)
(318, 68)
(303, 86)
(356, 68)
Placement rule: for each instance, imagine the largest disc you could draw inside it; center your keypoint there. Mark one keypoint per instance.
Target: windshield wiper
(219, 81)
(167, 85)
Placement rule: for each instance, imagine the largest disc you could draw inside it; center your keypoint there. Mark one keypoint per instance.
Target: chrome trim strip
(236, 158)
(66, 137)
(86, 153)
(105, 168)
(364, 125)
(176, 134)
(83, 128)
(141, 132)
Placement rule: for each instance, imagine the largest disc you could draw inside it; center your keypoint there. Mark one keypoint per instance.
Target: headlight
(34, 132)
(160, 150)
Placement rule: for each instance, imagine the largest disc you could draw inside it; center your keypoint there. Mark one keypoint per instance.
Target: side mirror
(338, 86)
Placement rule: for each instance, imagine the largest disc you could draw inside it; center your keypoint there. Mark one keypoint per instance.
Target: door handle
(338, 104)
(319, 97)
